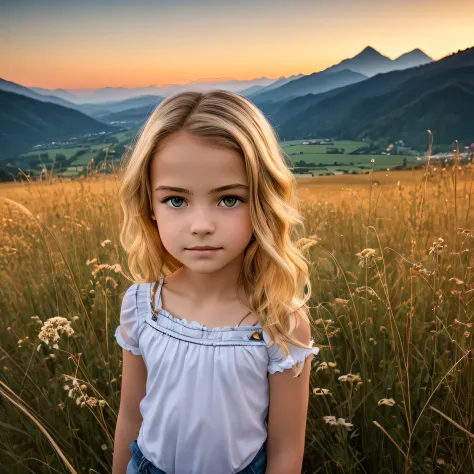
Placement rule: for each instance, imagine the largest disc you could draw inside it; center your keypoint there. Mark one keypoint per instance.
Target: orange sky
(116, 43)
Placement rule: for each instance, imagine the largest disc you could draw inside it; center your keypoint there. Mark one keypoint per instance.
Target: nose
(202, 221)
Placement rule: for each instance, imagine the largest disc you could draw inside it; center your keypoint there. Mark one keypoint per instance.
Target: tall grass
(392, 307)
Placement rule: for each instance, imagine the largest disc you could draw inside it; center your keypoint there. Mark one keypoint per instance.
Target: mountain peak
(416, 53)
(369, 51)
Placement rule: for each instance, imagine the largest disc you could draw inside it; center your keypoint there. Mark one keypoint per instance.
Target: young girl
(215, 332)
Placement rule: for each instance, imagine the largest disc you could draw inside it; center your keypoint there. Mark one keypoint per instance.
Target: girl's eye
(224, 198)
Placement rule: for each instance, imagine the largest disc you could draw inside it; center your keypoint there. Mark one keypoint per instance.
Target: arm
(287, 414)
(129, 419)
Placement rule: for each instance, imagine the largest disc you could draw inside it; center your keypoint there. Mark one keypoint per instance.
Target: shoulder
(137, 290)
(303, 331)
(297, 355)
(135, 301)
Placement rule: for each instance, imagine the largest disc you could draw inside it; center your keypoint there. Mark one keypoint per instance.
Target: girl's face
(196, 215)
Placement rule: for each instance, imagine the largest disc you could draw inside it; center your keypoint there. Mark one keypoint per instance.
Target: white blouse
(207, 393)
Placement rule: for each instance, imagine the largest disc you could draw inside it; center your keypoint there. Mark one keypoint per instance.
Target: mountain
(279, 82)
(412, 59)
(315, 83)
(132, 117)
(61, 93)
(93, 110)
(398, 104)
(103, 111)
(25, 122)
(367, 63)
(446, 111)
(107, 94)
(370, 62)
(305, 85)
(9, 86)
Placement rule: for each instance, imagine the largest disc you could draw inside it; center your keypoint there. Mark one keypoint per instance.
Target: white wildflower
(53, 328)
(386, 401)
(330, 420)
(321, 391)
(322, 366)
(340, 421)
(368, 258)
(437, 247)
(349, 378)
(348, 426)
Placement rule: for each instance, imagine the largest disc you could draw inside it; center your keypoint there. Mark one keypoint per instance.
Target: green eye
(173, 198)
(224, 198)
(235, 198)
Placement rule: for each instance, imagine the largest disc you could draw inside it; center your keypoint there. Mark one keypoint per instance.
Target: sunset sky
(91, 44)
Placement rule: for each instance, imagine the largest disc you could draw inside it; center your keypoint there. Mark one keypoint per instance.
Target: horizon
(228, 79)
(112, 43)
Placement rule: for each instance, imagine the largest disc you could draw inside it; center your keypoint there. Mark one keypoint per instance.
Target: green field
(311, 154)
(67, 152)
(31, 162)
(83, 160)
(296, 146)
(125, 136)
(316, 154)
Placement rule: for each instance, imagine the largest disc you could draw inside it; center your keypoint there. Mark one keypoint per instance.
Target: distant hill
(396, 105)
(93, 110)
(370, 62)
(107, 94)
(367, 63)
(61, 93)
(279, 82)
(25, 122)
(102, 111)
(444, 104)
(306, 84)
(412, 59)
(9, 86)
(315, 83)
(132, 117)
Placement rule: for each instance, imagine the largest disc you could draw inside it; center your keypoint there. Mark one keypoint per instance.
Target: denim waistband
(257, 466)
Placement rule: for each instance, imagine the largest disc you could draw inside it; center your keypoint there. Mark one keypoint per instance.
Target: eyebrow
(212, 191)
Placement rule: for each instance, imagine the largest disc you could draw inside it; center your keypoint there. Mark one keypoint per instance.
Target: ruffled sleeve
(295, 359)
(127, 332)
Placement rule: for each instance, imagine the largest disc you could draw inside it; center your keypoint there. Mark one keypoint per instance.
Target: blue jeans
(140, 465)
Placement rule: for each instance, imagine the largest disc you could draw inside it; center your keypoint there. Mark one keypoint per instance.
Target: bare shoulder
(302, 331)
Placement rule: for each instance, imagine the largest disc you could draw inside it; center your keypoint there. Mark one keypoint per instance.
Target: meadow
(77, 155)
(392, 308)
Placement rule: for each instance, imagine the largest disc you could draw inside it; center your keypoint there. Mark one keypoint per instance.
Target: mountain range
(395, 105)
(25, 122)
(366, 96)
(368, 63)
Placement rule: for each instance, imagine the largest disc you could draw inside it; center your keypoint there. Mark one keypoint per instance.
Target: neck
(220, 285)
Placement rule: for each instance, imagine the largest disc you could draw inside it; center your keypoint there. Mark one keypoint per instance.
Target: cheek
(168, 226)
(239, 225)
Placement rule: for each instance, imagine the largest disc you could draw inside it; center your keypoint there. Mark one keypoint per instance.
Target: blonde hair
(275, 271)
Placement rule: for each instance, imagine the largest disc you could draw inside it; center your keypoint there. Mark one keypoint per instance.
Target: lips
(204, 248)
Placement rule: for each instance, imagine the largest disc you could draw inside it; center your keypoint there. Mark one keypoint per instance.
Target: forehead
(187, 160)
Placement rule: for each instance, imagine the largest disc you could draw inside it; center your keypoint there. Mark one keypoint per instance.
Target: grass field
(92, 152)
(392, 310)
(316, 154)
(68, 152)
(297, 146)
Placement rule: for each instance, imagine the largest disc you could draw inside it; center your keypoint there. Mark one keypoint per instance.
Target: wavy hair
(275, 271)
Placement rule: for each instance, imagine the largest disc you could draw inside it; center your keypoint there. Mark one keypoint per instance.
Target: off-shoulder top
(207, 393)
